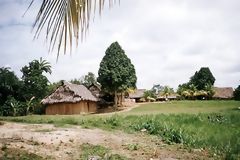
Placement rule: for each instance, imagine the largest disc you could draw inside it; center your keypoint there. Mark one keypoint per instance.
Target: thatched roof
(223, 93)
(70, 93)
(139, 93)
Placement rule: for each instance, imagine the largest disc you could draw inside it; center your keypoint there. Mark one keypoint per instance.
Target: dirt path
(64, 143)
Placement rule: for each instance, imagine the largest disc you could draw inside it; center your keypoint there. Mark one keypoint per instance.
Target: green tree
(9, 85)
(237, 93)
(116, 73)
(166, 91)
(202, 78)
(149, 95)
(86, 80)
(35, 83)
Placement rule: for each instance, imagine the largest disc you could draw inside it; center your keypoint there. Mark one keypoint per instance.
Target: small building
(170, 97)
(70, 99)
(137, 95)
(223, 93)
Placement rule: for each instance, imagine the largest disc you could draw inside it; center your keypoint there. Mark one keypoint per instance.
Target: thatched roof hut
(137, 94)
(223, 93)
(70, 99)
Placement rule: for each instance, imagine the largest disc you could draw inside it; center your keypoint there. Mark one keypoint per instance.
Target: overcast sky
(166, 40)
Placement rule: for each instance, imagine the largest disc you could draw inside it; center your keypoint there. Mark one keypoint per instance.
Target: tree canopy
(200, 85)
(9, 84)
(202, 78)
(116, 73)
(86, 80)
(35, 83)
(237, 93)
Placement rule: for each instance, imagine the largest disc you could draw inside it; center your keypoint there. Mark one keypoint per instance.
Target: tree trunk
(115, 100)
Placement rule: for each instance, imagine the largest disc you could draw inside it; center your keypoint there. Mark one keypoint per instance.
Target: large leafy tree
(66, 20)
(9, 84)
(35, 83)
(202, 78)
(116, 73)
(200, 85)
(237, 93)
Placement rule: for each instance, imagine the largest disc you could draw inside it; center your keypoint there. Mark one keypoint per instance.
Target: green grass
(212, 125)
(88, 151)
(189, 107)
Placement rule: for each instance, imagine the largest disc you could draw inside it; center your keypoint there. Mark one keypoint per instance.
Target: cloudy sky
(167, 40)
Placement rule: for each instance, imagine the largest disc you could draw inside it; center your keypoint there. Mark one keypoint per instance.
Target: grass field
(189, 107)
(211, 125)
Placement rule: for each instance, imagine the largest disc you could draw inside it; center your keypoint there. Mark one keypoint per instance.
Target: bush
(12, 107)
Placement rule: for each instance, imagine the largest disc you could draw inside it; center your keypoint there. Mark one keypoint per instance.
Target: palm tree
(66, 20)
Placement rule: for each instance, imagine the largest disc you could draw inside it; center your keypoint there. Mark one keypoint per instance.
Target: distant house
(137, 95)
(169, 97)
(223, 93)
(70, 99)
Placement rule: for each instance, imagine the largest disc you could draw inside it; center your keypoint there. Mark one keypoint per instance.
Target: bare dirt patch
(51, 142)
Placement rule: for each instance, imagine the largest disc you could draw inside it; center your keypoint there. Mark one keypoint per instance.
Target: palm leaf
(66, 20)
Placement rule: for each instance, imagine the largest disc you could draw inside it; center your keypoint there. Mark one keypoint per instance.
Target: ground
(50, 142)
(172, 130)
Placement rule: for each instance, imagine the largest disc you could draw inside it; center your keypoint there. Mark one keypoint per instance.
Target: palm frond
(66, 21)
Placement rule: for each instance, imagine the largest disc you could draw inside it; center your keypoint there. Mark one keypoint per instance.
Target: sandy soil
(64, 143)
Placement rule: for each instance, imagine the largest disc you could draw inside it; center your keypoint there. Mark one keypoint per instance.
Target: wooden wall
(71, 108)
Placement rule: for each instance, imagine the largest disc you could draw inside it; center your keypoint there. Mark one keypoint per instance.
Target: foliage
(116, 73)
(9, 85)
(12, 107)
(202, 78)
(199, 87)
(166, 91)
(157, 88)
(53, 86)
(237, 93)
(86, 80)
(66, 21)
(88, 151)
(149, 94)
(35, 83)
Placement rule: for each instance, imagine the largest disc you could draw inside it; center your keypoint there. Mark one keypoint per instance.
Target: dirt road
(52, 142)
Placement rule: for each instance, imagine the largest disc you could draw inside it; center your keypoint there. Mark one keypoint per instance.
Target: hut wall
(71, 108)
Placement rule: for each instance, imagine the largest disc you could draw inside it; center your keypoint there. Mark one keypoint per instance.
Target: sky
(166, 40)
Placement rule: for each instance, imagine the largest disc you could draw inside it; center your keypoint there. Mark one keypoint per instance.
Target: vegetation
(149, 95)
(90, 151)
(202, 78)
(237, 93)
(216, 128)
(19, 97)
(10, 85)
(86, 80)
(18, 154)
(199, 87)
(116, 73)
